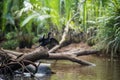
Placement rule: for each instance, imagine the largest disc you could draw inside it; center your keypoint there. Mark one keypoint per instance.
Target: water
(105, 69)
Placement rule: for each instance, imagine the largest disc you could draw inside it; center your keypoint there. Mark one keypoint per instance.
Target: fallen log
(41, 53)
(25, 59)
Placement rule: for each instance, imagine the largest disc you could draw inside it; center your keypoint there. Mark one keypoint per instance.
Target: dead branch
(66, 30)
(72, 56)
(43, 54)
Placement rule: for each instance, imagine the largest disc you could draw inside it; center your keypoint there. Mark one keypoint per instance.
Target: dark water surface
(105, 69)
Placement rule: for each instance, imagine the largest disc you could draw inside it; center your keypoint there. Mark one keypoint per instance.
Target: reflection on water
(65, 70)
(104, 70)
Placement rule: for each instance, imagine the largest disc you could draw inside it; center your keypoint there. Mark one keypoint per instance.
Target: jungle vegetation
(96, 22)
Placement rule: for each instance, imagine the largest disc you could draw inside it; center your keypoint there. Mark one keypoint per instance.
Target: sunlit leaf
(28, 19)
(42, 17)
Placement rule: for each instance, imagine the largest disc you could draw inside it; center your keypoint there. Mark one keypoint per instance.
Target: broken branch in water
(41, 53)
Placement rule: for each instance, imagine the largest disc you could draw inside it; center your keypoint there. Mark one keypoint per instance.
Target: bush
(11, 35)
(11, 44)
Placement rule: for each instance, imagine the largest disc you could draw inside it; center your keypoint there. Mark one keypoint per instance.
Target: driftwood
(41, 53)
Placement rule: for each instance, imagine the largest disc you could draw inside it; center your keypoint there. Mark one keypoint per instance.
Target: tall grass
(110, 31)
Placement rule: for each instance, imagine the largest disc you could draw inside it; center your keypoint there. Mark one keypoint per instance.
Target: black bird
(48, 41)
(44, 41)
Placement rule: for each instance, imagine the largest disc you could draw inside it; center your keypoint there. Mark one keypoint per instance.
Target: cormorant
(48, 41)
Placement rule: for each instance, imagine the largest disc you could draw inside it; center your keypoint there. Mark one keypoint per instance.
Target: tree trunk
(41, 53)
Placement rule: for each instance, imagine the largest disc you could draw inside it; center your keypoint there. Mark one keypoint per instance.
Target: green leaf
(42, 17)
(28, 19)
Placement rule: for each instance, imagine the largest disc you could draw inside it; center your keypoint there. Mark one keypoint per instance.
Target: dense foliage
(97, 22)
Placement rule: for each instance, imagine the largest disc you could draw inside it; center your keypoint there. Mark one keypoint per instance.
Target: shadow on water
(65, 70)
